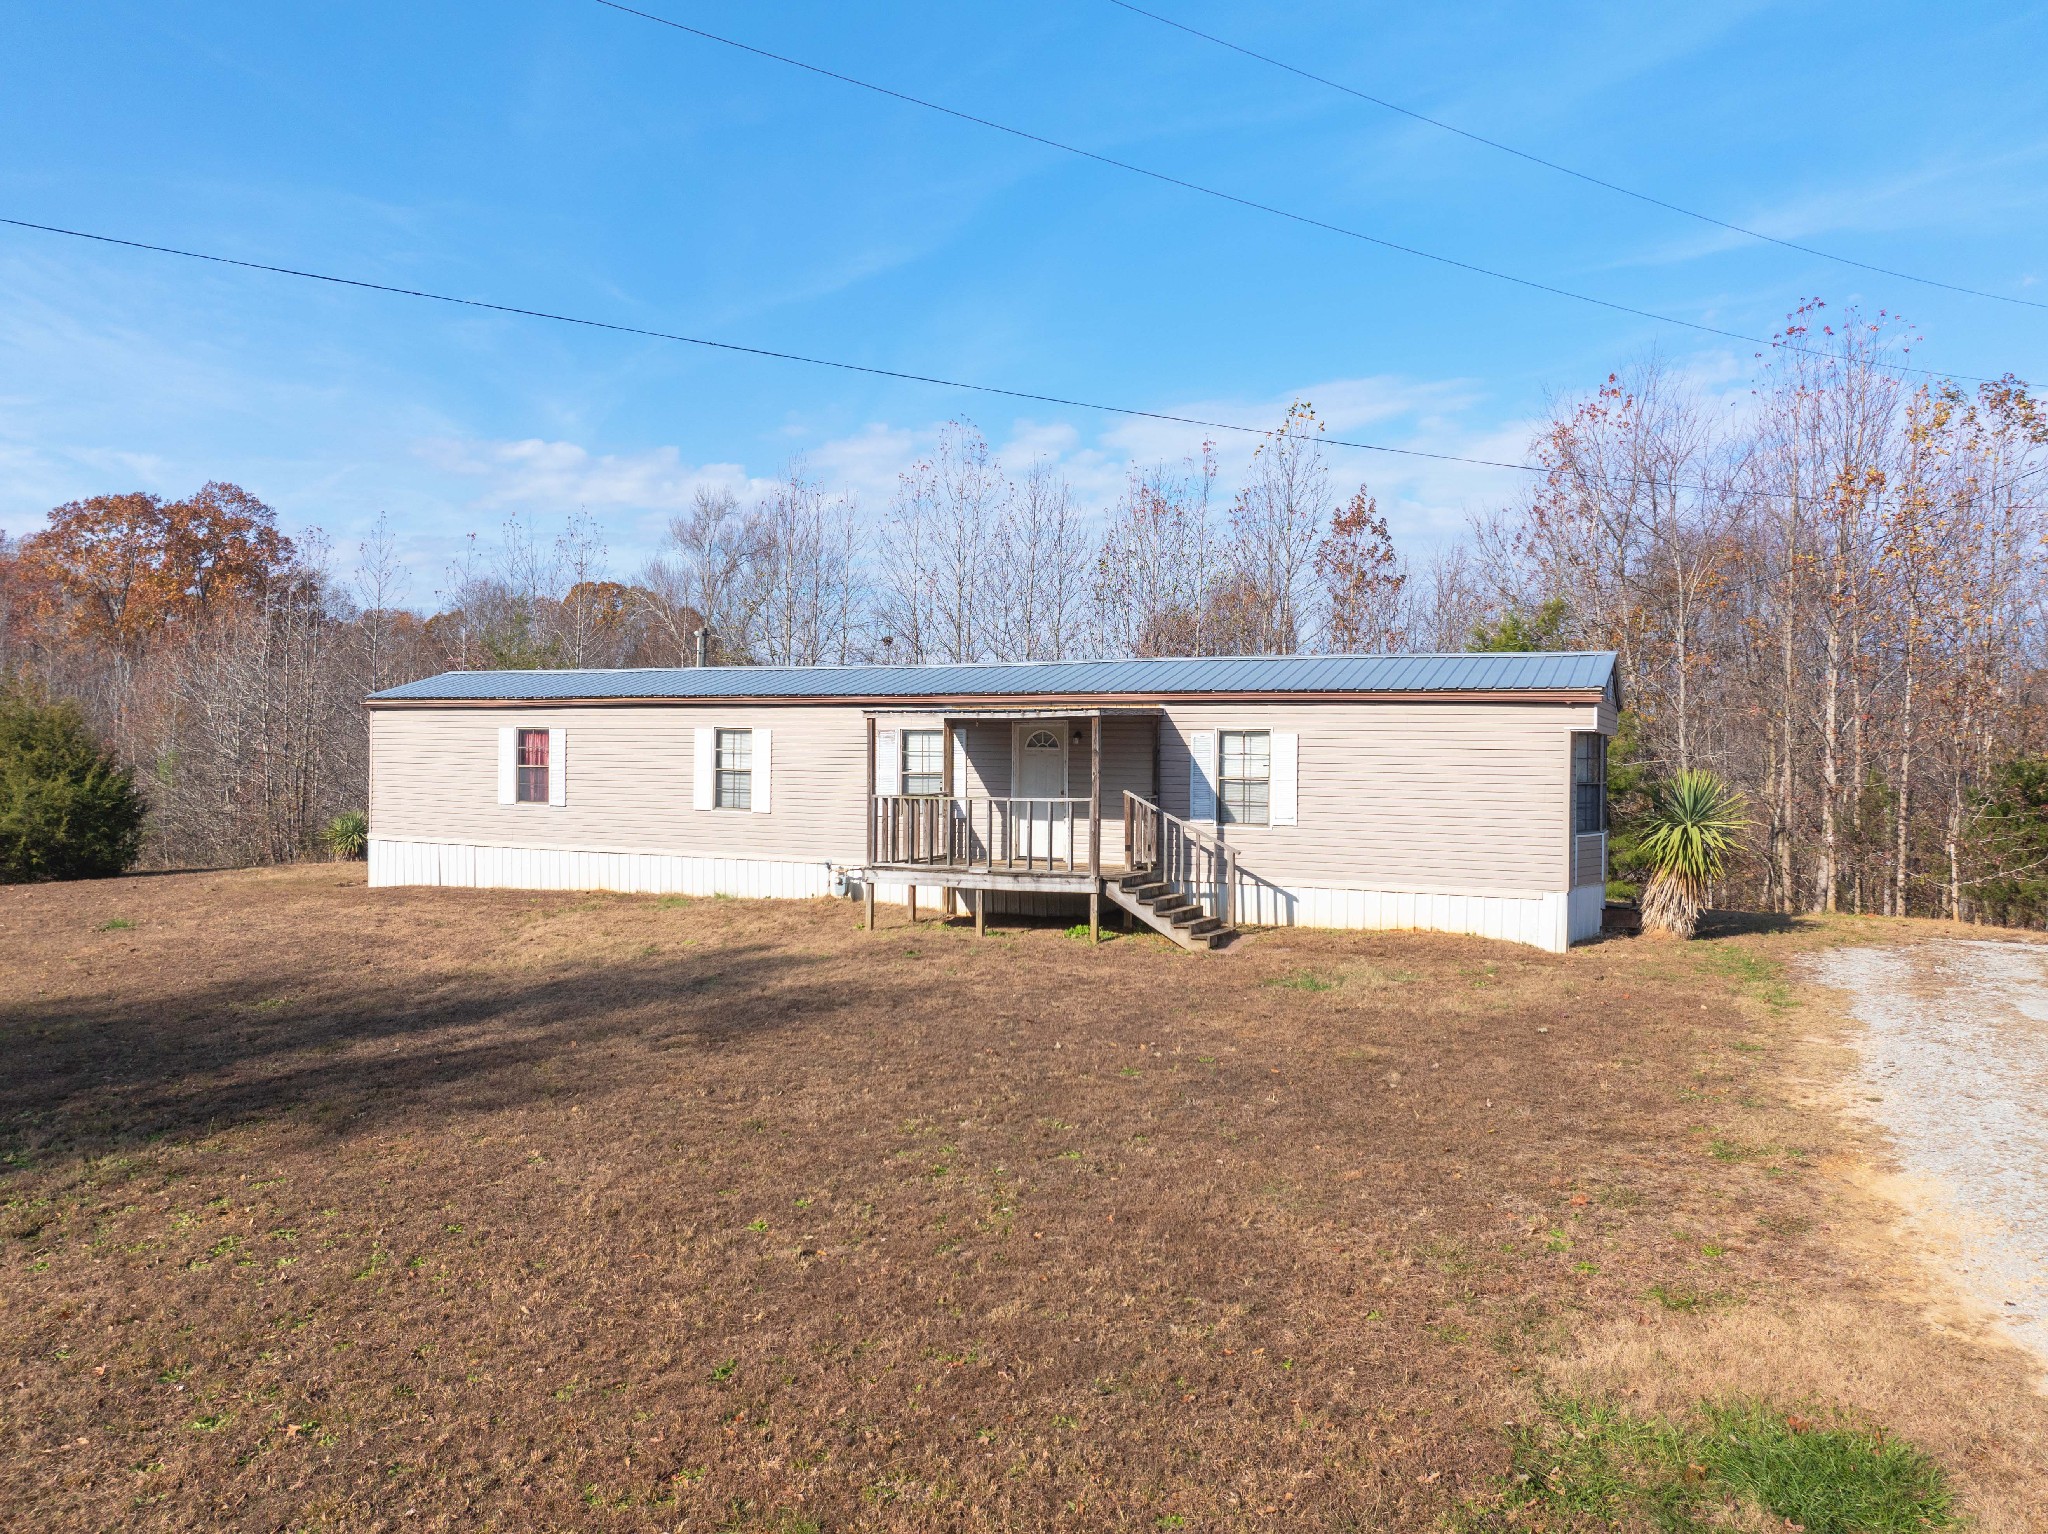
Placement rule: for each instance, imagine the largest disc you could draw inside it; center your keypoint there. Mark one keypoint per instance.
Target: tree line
(1829, 591)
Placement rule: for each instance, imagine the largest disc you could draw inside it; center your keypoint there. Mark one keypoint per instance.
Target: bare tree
(1274, 527)
(806, 579)
(706, 576)
(1153, 576)
(1039, 583)
(1630, 530)
(1444, 601)
(938, 562)
(381, 584)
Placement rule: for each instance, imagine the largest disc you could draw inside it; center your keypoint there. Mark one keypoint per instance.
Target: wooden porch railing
(1182, 855)
(975, 833)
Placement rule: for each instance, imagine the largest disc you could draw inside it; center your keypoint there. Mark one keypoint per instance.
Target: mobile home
(1456, 793)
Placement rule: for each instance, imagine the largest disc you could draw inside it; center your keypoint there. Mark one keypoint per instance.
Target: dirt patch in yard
(333, 1207)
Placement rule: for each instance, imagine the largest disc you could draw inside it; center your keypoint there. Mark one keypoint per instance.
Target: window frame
(1228, 814)
(1589, 783)
(732, 787)
(935, 773)
(529, 776)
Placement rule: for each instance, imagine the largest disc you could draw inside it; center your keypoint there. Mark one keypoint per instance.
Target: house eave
(993, 708)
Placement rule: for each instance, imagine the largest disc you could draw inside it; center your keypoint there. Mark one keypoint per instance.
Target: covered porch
(985, 803)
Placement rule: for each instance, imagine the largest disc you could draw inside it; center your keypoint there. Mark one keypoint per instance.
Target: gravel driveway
(1955, 1063)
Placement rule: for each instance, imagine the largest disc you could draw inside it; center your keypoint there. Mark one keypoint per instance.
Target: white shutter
(763, 740)
(508, 764)
(558, 767)
(1284, 787)
(705, 785)
(888, 762)
(959, 761)
(1202, 775)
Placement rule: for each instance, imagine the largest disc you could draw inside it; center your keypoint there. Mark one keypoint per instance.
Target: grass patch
(1825, 1474)
(117, 924)
(1684, 1298)
(1753, 975)
(1307, 980)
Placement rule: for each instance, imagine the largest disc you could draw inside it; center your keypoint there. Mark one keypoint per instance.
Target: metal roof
(1533, 671)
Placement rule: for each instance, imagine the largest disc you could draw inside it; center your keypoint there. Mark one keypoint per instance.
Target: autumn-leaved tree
(125, 566)
(1362, 579)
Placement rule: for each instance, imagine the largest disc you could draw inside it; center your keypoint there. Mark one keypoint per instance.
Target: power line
(1566, 170)
(617, 328)
(364, 284)
(1258, 207)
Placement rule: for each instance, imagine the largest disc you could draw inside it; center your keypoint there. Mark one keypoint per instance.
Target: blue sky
(556, 154)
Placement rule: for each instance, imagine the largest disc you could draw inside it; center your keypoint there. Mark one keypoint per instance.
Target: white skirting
(1548, 921)
(1543, 921)
(544, 868)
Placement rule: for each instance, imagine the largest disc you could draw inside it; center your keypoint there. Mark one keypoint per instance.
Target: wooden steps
(1168, 912)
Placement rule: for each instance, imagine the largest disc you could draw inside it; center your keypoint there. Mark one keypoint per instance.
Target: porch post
(867, 898)
(946, 808)
(980, 912)
(1095, 828)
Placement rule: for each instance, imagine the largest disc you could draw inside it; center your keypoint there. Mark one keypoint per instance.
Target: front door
(1044, 830)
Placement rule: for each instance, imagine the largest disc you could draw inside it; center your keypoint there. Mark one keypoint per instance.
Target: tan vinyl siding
(629, 781)
(1458, 798)
(1126, 765)
(987, 749)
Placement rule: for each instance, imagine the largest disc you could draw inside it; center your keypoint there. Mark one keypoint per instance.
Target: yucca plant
(1687, 839)
(347, 835)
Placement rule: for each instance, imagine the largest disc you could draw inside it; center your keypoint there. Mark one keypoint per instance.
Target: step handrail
(1181, 853)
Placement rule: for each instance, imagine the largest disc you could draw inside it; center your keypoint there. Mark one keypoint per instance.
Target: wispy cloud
(1426, 499)
(1946, 194)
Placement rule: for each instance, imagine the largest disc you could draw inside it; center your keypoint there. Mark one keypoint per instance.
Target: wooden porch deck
(1171, 875)
(1040, 881)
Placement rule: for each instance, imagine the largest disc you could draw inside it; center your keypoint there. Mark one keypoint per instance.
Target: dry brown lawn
(327, 1207)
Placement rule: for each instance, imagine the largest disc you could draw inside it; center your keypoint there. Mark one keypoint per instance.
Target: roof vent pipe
(703, 647)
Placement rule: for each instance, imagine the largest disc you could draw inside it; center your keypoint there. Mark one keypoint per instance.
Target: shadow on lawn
(85, 1077)
(1715, 924)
